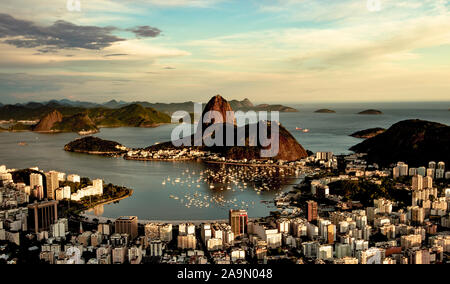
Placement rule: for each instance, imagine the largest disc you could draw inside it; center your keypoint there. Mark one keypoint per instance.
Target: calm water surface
(152, 199)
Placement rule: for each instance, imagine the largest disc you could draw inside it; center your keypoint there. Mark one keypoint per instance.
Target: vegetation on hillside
(366, 191)
(93, 144)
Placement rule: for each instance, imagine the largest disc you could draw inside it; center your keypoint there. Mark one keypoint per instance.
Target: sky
(294, 51)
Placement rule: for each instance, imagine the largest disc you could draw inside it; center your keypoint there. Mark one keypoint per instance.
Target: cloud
(115, 54)
(183, 3)
(59, 35)
(145, 31)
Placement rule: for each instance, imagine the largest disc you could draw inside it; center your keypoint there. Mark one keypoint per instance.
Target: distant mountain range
(35, 110)
(58, 118)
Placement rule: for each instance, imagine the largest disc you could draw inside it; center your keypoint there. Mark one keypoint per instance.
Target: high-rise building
(98, 187)
(42, 215)
(417, 215)
(432, 165)
(441, 166)
(238, 222)
(52, 179)
(440, 173)
(417, 182)
(165, 233)
(127, 225)
(35, 180)
(427, 182)
(74, 178)
(331, 234)
(156, 248)
(187, 242)
(413, 171)
(312, 211)
(422, 171)
(400, 170)
(38, 192)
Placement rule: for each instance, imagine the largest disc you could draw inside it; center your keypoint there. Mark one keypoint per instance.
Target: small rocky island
(96, 146)
(371, 112)
(368, 133)
(324, 110)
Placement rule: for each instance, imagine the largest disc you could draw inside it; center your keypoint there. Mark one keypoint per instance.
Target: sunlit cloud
(283, 50)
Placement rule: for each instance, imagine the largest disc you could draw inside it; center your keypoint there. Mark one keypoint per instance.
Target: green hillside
(133, 115)
(75, 123)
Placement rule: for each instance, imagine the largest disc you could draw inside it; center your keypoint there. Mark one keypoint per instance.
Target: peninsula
(368, 133)
(412, 141)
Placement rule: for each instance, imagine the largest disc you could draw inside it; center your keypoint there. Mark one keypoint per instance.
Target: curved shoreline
(101, 203)
(90, 218)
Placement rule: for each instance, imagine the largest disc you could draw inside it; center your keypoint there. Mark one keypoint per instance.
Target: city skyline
(267, 51)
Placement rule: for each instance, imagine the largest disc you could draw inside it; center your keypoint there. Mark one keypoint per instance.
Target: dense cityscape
(345, 211)
(223, 139)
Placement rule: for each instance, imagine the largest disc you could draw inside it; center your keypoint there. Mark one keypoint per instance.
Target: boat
(305, 130)
(298, 128)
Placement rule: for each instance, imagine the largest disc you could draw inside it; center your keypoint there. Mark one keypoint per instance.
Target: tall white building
(431, 172)
(74, 178)
(36, 180)
(325, 252)
(417, 182)
(400, 170)
(427, 182)
(156, 248)
(98, 186)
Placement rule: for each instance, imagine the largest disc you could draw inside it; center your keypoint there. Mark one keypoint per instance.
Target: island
(96, 146)
(368, 133)
(325, 111)
(371, 112)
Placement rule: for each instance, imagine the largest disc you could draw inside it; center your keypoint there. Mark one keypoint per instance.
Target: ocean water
(153, 200)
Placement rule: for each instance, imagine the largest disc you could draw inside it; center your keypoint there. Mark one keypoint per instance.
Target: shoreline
(102, 219)
(248, 165)
(96, 153)
(130, 194)
(159, 160)
(104, 202)
(84, 133)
